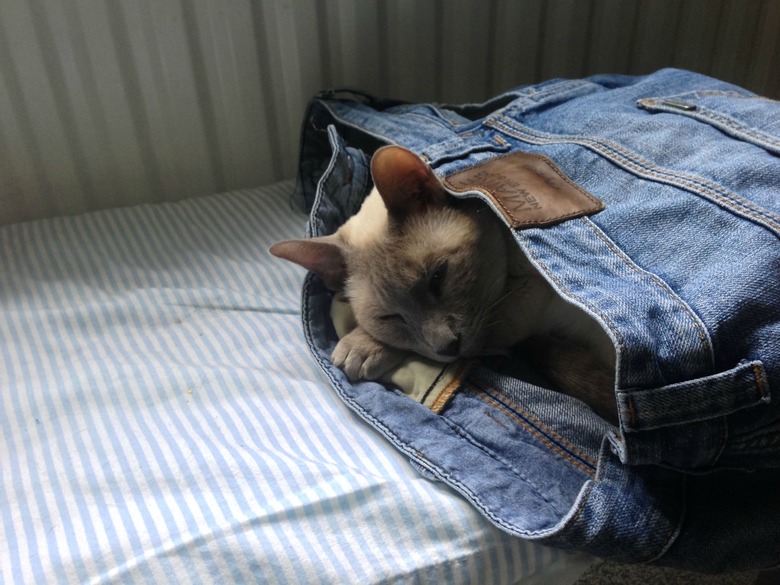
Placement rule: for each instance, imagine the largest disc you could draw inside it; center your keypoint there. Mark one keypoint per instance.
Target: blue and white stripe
(161, 420)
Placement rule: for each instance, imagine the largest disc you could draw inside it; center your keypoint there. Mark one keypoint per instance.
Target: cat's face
(429, 283)
(421, 270)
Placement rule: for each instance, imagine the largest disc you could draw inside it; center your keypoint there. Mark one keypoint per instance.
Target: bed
(162, 420)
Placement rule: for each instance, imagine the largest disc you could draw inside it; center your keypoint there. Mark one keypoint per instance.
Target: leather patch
(528, 189)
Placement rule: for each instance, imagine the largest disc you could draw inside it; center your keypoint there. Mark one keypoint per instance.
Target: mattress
(162, 420)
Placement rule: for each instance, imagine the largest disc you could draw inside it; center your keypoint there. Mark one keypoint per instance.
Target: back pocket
(744, 116)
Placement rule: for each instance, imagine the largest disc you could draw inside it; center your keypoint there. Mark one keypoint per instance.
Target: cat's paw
(364, 358)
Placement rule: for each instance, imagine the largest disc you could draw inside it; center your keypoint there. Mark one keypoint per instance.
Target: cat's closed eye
(393, 317)
(436, 279)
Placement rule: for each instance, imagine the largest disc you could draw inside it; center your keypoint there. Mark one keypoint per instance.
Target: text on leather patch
(529, 189)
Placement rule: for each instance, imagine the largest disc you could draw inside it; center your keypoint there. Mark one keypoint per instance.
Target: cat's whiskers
(499, 300)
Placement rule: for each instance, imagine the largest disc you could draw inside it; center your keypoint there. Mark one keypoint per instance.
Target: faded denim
(682, 268)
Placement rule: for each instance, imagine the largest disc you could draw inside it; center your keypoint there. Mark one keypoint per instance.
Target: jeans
(681, 268)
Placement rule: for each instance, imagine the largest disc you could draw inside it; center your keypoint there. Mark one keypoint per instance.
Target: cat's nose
(452, 349)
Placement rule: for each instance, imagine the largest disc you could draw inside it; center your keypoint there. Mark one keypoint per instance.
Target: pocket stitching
(548, 436)
(707, 115)
(643, 168)
(667, 290)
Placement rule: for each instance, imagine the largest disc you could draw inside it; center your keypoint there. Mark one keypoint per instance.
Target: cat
(442, 277)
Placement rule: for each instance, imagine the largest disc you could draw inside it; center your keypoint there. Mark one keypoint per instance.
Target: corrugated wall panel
(106, 103)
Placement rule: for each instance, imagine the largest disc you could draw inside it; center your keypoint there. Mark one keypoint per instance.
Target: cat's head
(421, 270)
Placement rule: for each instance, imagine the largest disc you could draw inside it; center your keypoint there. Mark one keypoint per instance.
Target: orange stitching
(536, 434)
(762, 389)
(631, 411)
(536, 421)
(674, 177)
(445, 395)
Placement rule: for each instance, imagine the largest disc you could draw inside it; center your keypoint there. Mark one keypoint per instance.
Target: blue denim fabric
(681, 268)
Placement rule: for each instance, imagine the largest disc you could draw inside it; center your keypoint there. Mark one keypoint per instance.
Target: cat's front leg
(364, 358)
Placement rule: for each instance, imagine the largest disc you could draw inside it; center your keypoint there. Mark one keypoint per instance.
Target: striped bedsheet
(161, 420)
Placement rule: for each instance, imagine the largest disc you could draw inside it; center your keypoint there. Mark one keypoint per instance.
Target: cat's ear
(405, 181)
(324, 256)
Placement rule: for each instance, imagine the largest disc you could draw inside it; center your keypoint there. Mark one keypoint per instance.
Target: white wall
(115, 102)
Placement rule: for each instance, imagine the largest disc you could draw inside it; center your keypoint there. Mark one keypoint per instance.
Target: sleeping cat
(442, 277)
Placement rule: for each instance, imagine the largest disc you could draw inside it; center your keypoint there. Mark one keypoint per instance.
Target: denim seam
(446, 124)
(537, 434)
(451, 389)
(554, 436)
(561, 87)
(548, 436)
(320, 189)
(707, 115)
(645, 168)
(466, 436)
(440, 112)
(582, 502)
(641, 167)
(724, 93)
(632, 414)
(735, 94)
(364, 188)
(567, 292)
(632, 162)
(697, 415)
(344, 122)
(666, 541)
(433, 384)
(668, 292)
(760, 382)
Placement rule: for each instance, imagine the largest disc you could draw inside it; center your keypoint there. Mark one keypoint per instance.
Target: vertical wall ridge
(202, 93)
(128, 64)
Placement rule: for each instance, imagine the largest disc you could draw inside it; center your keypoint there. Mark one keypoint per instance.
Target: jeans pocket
(744, 116)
